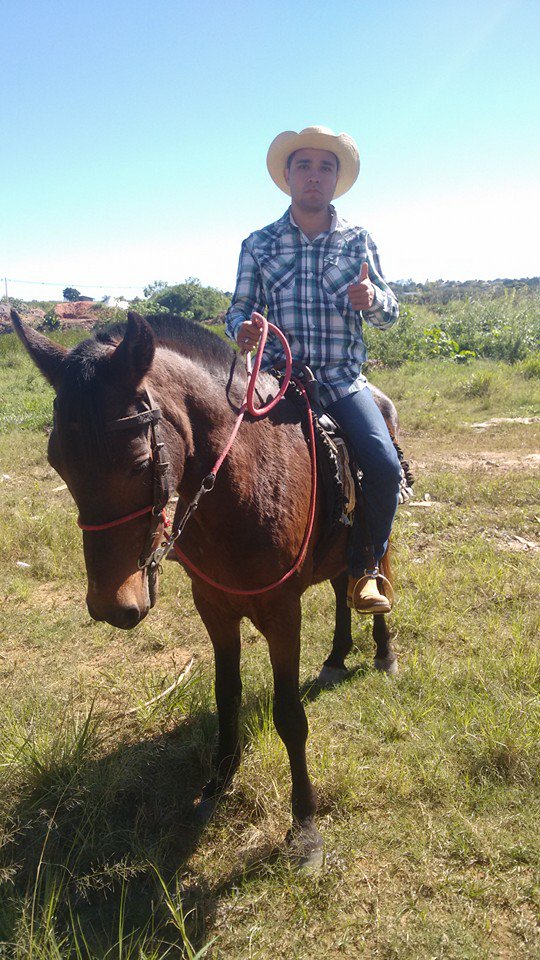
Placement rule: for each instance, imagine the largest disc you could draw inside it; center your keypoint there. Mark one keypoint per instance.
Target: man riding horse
(319, 277)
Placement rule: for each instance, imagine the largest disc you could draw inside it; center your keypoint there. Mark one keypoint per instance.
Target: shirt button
(310, 274)
(310, 299)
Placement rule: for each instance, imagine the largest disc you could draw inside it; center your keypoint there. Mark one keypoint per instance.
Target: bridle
(148, 418)
(150, 558)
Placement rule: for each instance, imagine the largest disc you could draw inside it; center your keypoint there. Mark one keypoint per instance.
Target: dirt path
(485, 460)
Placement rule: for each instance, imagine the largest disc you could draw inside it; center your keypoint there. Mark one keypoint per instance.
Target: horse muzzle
(124, 608)
(125, 618)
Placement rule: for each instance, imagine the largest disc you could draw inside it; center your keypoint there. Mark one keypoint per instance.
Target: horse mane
(186, 337)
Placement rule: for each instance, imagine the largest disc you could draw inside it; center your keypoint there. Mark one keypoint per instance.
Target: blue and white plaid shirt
(304, 285)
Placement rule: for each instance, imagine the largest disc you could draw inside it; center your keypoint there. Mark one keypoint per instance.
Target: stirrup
(374, 574)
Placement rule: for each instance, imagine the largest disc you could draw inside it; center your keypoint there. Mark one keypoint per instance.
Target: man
(319, 277)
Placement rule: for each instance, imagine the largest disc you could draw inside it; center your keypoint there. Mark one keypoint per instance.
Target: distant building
(119, 303)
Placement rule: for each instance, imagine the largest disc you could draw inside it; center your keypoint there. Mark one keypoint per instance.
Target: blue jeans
(363, 423)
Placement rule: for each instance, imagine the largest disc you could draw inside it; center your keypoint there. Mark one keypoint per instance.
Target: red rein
(248, 406)
(248, 402)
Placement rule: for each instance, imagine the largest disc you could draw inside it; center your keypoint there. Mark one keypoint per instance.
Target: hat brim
(316, 138)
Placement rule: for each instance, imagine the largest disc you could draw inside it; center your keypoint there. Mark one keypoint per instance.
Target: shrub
(51, 321)
(530, 367)
(479, 385)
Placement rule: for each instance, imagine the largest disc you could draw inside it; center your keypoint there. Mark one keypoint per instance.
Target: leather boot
(364, 596)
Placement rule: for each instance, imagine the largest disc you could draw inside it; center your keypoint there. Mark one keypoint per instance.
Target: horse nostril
(125, 617)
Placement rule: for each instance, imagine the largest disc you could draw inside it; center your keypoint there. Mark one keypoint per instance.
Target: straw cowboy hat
(318, 138)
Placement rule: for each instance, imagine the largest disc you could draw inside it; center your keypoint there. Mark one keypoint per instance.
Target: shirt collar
(334, 223)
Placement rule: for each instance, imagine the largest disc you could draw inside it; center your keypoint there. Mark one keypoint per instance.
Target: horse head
(103, 446)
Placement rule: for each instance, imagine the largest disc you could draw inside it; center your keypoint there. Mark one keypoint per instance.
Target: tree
(188, 299)
(154, 288)
(70, 294)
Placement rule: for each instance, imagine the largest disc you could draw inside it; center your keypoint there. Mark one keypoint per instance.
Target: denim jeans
(361, 420)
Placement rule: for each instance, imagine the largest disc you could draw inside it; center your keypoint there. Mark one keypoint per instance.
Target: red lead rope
(248, 405)
(248, 402)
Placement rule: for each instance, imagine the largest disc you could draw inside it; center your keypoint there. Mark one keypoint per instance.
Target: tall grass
(500, 328)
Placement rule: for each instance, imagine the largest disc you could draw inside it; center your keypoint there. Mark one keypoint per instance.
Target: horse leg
(334, 669)
(304, 840)
(385, 657)
(225, 636)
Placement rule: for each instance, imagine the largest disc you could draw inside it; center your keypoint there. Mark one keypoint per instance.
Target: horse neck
(266, 473)
(198, 411)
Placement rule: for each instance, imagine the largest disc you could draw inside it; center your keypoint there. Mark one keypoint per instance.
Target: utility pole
(5, 284)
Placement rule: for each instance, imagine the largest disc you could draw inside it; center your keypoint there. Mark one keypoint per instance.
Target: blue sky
(134, 134)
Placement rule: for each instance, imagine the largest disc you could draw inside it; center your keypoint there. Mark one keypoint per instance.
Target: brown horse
(246, 533)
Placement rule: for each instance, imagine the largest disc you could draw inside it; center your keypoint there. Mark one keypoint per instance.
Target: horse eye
(141, 466)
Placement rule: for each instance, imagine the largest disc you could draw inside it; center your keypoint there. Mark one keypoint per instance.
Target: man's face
(312, 178)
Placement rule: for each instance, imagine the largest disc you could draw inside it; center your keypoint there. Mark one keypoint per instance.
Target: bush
(530, 368)
(51, 321)
(479, 385)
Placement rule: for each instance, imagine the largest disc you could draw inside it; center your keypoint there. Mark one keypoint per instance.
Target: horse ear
(48, 356)
(133, 357)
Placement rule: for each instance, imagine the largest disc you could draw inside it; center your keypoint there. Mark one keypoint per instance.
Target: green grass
(25, 400)
(428, 785)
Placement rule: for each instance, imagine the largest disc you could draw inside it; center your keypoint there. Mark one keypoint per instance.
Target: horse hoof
(331, 676)
(205, 807)
(305, 848)
(204, 810)
(388, 665)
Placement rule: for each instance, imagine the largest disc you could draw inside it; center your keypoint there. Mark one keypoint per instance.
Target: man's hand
(249, 334)
(362, 294)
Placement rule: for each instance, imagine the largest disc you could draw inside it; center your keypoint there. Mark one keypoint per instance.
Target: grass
(428, 786)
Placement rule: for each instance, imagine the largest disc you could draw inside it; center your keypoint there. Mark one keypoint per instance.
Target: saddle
(338, 475)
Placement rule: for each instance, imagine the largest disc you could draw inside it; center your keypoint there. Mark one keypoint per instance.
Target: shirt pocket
(277, 272)
(338, 274)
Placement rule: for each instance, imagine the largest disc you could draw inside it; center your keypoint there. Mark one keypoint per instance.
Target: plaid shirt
(304, 285)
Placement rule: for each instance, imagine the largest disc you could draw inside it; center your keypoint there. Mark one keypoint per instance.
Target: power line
(80, 283)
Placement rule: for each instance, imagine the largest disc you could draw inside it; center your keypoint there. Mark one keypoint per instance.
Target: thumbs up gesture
(362, 293)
